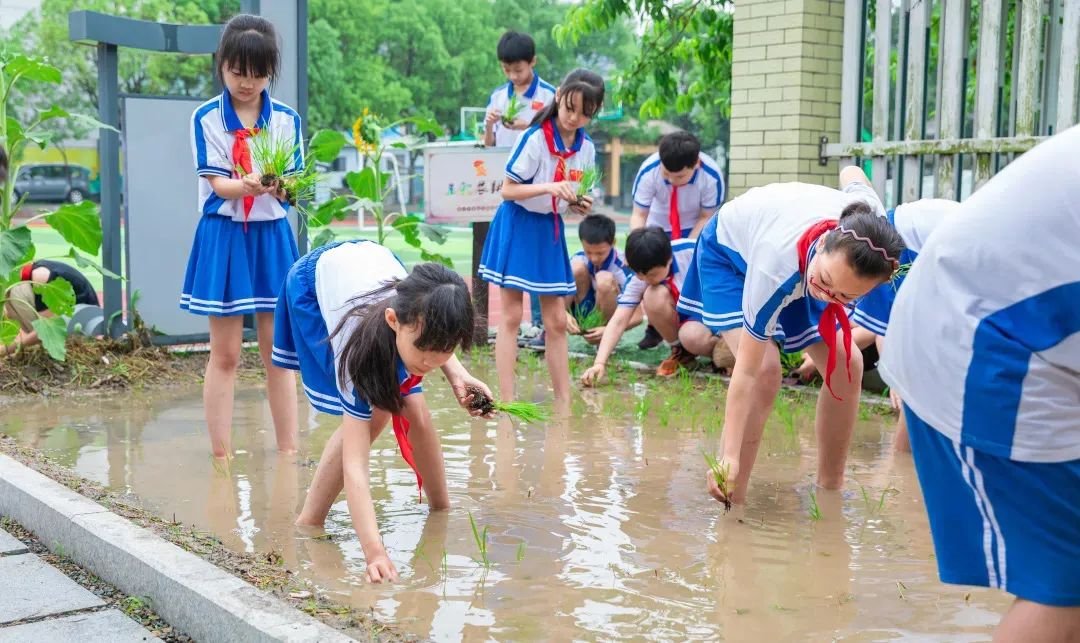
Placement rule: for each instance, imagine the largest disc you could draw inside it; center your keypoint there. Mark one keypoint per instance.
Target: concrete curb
(191, 594)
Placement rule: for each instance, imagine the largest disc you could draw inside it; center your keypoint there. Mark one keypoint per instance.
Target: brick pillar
(785, 90)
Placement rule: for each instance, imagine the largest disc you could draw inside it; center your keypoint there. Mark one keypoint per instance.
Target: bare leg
(699, 340)
(557, 346)
(660, 307)
(581, 279)
(901, 444)
(280, 389)
(427, 451)
(506, 340)
(765, 389)
(226, 337)
(329, 479)
(835, 421)
(607, 294)
(1027, 621)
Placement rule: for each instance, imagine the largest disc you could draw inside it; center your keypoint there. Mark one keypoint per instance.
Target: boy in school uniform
(600, 275)
(659, 266)
(517, 56)
(677, 189)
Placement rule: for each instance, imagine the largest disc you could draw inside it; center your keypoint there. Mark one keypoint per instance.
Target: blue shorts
(301, 339)
(716, 301)
(998, 522)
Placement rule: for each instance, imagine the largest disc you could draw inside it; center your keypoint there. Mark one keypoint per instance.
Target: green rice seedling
(590, 179)
(664, 413)
(275, 158)
(686, 383)
(787, 411)
(815, 510)
(721, 475)
(481, 542)
(513, 108)
(641, 408)
(588, 321)
(521, 551)
(900, 272)
(528, 412)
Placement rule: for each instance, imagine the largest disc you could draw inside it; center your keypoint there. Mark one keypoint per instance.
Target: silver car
(53, 182)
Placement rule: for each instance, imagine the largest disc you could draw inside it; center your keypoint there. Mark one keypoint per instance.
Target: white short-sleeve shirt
(343, 273)
(537, 97)
(652, 191)
(984, 337)
(213, 127)
(531, 162)
(682, 256)
(613, 264)
(916, 220)
(761, 229)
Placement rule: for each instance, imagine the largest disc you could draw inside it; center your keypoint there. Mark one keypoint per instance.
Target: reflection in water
(598, 525)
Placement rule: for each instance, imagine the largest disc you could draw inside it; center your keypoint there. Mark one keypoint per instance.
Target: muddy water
(598, 527)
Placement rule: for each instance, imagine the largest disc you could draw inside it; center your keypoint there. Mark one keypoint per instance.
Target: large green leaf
(52, 331)
(79, 225)
(32, 69)
(409, 227)
(82, 262)
(16, 248)
(325, 236)
(426, 125)
(58, 295)
(9, 330)
(437, 258)
(362, 184)
(326, 145)
(436, 233)
(327, 212)
(91, 122)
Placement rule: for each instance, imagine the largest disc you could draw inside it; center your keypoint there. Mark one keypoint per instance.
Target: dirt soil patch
(265, 571)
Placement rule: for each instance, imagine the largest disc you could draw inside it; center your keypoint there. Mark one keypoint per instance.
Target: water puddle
(598, 527)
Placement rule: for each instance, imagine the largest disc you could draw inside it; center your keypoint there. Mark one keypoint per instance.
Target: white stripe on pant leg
(987, 535)
(990, 514)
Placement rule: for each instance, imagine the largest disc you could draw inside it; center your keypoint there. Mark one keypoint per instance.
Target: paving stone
(94, 627)
(9, 543)
(32, 588)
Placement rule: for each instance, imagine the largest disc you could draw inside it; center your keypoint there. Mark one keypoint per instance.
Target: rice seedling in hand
(588, 321)
(513, 108)
(590, 179)
(276, 159)
(721, 475)
(527, 412)
(481, 541)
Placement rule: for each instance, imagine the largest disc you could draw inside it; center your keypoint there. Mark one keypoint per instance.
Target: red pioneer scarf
(673, 214)
(560, 168)
(27, 272)
(834, 313)
(242, 157)
(401, 432)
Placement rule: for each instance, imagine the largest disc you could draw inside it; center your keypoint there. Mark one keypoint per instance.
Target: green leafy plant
(588, 321)
(78, 224)
(275, 157)
(720, 474)
(371, 186)
(513, 108)
(590, 180)
(481, 541)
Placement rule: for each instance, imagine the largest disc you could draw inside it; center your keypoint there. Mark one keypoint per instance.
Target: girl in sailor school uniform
(363, 332)
(243, 244)
(525, 249)
(782, 264)
(993, 411)
(914, 222)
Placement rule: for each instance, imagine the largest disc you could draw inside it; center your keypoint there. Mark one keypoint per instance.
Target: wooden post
(1027, 78)
(986, 90)
(954, 16)
(915, 107)
(1070, 52)
(480, 287)
(882, 56)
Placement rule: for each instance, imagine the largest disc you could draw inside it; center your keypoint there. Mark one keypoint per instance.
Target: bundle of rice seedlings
(721, 475)
(586, 322)
(590, 180)
(274, 157)
(527, 412)
(513, 108)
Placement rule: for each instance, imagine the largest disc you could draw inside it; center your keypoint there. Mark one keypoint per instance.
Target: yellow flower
(365, 132)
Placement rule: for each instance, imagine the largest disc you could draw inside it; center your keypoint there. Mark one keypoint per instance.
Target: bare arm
(356, 449)
(513, 191)
(638, 217)
(853, 174)
(862, 337)
(613, 332)
(741, 390)
(238, 188)
(427, 449)
(702, 219)
(460, 379)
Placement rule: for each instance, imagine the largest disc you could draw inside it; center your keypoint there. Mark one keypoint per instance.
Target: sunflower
(366, 132)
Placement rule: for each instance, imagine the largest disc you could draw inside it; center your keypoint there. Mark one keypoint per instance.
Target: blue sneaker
(536, 343)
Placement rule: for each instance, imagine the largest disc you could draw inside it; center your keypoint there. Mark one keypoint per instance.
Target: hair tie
(868, 242)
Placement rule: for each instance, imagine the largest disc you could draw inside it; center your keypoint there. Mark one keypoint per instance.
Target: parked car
(53, 182)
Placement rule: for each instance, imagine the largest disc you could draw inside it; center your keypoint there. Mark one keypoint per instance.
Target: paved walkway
(49, 606)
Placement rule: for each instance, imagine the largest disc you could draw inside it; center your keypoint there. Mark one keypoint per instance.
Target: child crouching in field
(600, 275)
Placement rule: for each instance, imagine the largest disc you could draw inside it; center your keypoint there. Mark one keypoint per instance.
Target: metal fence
(940, 94)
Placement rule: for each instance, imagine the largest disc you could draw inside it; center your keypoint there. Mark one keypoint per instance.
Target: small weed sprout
(815, 510)
(481, 543)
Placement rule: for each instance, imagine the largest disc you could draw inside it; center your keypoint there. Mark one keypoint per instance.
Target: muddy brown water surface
(598, 526)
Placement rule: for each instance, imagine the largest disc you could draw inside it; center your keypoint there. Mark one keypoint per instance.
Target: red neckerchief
(401, 432)
(27, 272)
(560, 167)
(673, 214)
(834, 313)
(242, 157)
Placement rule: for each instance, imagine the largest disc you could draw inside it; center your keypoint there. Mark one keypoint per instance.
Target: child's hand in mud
(565, 190)
(583, 206)
(593, 374)
(253, 186)
(730, 467)
(381, 570)
(594, 335)
(461, 385)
